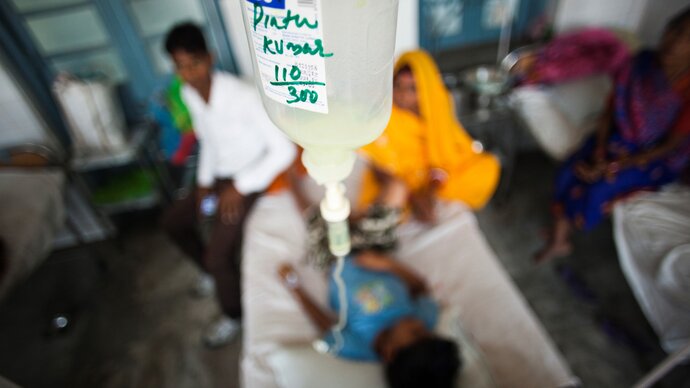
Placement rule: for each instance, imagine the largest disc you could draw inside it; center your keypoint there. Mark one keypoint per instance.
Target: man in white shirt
(241, 153)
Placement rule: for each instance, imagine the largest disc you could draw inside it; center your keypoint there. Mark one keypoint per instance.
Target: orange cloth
(282, 181)
(279, 184)
(410, 146)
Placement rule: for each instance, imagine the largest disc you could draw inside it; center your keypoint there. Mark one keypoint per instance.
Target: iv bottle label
(287, 36)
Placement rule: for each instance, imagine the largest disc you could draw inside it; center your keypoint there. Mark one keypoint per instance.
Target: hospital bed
(500, 335)
(652, 233)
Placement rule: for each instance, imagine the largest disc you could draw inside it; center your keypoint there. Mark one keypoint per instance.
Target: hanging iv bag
(325, 71)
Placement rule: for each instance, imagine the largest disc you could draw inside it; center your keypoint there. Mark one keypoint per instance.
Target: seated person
(389, 317)
(426, 147)
(240, 153)
(642, 142)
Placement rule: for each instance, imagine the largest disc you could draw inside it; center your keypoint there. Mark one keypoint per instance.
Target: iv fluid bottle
(325, 70)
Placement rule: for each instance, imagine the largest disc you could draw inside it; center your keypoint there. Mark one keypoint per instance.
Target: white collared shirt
(237, 140)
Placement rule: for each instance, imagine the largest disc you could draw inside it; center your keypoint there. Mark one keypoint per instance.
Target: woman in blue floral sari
(642, 143)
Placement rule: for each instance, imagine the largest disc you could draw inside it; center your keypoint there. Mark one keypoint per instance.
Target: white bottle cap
(335, 207)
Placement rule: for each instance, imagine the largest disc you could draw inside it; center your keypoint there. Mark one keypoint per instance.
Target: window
(71, 36)
(121, 40)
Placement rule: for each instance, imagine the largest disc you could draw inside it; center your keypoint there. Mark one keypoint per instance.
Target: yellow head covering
(410, 146)
(444, 134)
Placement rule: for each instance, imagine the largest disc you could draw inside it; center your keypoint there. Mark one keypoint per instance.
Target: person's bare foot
(553, 251)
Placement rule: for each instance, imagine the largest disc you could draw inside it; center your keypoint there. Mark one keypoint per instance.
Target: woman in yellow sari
(426, 147)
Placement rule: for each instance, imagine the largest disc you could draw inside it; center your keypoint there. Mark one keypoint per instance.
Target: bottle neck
(329, 164)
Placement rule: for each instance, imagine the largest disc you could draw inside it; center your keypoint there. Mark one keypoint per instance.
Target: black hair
(430, 362)
(679, 20)
(186, 37)
(403, 70)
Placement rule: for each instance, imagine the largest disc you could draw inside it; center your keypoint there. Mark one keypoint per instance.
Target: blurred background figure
(425, 146)
(642, 142)
(240, 154)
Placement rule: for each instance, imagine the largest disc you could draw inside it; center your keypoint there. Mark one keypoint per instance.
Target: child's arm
(379, 262)
(322, 319)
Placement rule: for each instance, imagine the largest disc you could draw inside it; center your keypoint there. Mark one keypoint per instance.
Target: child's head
(186, 45)
(416, 357)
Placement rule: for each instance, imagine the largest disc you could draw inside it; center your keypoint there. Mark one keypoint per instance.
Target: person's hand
(394, 194)
(590, 173)
(230, 204)
(199, 195)
(423, 204)
(375, 261)
(612, 168)
(393, 190)
(288, 276)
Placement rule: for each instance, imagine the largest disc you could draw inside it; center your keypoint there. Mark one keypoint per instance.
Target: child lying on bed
(389, 315)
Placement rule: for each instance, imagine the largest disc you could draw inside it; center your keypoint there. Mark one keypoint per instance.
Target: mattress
(456, 261)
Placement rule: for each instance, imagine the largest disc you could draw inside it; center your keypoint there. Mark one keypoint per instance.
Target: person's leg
(180, 223)
(568, 199)
(222, 260)
(588, 204)
(559, 244)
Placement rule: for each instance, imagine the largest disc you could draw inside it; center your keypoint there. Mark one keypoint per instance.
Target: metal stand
(664, 367)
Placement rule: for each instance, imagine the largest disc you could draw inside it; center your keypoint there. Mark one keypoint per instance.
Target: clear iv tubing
(335, 209)
(342, 297)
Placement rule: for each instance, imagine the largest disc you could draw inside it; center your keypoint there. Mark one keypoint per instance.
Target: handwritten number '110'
(303, 95)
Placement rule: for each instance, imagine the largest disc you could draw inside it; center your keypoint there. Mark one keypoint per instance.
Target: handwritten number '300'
(303, 95)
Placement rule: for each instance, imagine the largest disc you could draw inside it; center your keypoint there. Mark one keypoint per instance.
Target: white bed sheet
(456, 261)
(652, 233)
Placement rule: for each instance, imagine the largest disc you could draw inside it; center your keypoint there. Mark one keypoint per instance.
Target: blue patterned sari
(645, 109)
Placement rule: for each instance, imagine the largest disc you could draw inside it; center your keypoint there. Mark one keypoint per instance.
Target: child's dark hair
(186, 37)
(431, 362)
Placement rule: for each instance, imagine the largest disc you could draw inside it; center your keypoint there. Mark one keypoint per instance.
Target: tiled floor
(138, 326)
(135, 323)
(599, 328)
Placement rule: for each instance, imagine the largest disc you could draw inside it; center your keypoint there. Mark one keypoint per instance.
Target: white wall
(407, 30)
(645, 18)
(623, 14)
(408, 26)
(19, 122)
(232, 14)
